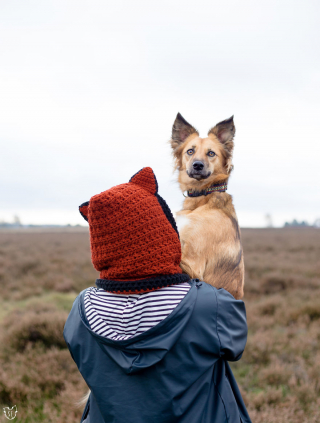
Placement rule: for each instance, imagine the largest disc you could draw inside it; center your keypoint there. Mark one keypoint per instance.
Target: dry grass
(279, 374)
(40, 275)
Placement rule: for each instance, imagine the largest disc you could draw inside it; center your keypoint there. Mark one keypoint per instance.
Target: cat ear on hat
(84, 210)
(146, 179)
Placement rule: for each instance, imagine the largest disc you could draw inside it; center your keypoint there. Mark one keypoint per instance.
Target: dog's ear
(225, 132)
(181, 129)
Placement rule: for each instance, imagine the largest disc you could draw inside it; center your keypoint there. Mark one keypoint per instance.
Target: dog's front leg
(193, 266)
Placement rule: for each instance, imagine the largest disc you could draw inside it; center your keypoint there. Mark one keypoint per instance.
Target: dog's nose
(198, 165)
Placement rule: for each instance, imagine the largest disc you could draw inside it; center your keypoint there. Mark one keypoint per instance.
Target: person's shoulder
(228, 317)
(207, 301)
(217, 299)
(220, 293)
(78, 303)
(210, 290)
(74, 320)
(81, 295)
(86, 291)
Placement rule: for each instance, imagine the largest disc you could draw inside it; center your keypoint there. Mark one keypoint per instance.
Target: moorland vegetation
(279, 373)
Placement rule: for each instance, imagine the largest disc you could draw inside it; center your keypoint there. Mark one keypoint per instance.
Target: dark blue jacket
(176, 372)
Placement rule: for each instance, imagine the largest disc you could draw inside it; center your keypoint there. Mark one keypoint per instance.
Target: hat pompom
(146, 179)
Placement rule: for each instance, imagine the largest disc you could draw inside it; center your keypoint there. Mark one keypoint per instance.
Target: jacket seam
(224, 406)
(217, 312)
(235, 399)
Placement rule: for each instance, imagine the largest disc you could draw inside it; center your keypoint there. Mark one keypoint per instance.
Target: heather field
(279, 374)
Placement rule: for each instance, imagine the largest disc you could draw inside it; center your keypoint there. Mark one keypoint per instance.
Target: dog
(208, 224)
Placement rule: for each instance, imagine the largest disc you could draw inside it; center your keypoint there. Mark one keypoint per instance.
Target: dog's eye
(190, 152)
(211, 153)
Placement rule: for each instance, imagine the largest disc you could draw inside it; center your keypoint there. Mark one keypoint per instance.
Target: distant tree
(296, 223)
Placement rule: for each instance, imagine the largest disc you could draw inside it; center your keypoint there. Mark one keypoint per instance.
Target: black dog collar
(220, 187)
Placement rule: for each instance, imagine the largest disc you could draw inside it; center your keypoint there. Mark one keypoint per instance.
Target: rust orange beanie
(134, 239)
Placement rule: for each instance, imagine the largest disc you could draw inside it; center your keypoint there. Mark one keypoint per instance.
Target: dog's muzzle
(198, 171)
(198, 175)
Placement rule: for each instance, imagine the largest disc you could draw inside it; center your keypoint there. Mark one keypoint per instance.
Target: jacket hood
(150, 347)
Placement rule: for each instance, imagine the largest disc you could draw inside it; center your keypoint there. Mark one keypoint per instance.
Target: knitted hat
(134, 239)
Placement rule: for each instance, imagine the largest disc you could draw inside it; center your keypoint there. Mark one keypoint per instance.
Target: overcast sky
(89, 91)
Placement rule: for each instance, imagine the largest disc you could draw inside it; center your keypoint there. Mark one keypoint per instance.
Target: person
(151, 344)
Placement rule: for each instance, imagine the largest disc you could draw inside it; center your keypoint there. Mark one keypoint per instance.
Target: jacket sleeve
(231, 325)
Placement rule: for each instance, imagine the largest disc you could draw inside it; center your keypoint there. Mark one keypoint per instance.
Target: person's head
(134, 239)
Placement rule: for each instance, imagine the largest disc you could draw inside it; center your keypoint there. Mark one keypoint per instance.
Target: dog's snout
(198, 165)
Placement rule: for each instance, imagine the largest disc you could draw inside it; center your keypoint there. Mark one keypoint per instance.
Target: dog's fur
(208, 225)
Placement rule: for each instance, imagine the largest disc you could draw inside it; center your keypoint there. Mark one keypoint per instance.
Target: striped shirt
(119, 317)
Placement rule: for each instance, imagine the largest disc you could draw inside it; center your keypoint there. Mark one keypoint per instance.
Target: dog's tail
(83, 400)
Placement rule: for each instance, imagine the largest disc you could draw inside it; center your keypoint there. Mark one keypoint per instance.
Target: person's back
(152, 345)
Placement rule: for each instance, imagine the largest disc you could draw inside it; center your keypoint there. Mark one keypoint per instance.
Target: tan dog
(208, 225)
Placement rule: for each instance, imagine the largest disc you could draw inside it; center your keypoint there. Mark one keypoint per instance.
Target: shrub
(31, 328)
